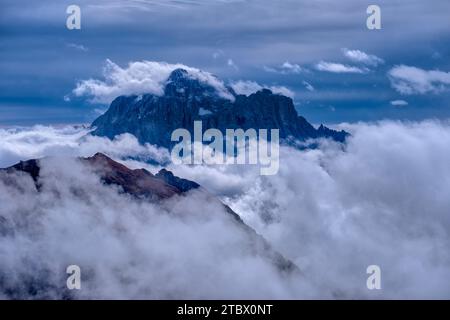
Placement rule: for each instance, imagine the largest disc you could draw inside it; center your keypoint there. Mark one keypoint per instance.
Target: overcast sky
(322, 51)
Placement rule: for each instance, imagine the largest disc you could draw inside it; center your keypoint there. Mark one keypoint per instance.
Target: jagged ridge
(153, 118)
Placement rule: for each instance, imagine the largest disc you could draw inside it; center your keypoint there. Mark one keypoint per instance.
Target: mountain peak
(182, 84)
(182, 184)
(193, 95)
(99, 156)
(265, 91)
(178, 74)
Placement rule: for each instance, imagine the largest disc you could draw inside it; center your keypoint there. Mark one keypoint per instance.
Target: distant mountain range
(152, 118)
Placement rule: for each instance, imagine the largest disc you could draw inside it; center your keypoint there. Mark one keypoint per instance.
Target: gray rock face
(152, 119)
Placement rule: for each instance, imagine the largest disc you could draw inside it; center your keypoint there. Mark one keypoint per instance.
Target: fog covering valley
(381, 199)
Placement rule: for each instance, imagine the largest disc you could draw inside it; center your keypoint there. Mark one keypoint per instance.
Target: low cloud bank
(18, 144)
(186, 248)
(381, 200)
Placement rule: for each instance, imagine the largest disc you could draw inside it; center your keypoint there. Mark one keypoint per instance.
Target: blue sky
(322, 51)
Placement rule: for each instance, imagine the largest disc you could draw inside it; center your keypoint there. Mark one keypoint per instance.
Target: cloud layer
(188, 247)
(253, 34)
(43, 141)
(381, 200)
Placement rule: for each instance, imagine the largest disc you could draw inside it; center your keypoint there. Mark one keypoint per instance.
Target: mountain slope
(145, 186)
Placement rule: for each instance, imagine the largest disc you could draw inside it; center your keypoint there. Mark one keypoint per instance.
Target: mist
(381, 199)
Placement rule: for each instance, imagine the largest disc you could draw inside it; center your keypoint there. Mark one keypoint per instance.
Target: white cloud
(285, 68)
(217, 54)
(283, 91)
(79, 47)
(359, 56)
(269, 69)
(291, 68)
(231, 64)
(382, 200)
(40, 141)
(185, 247)
(412, 80)
(338, 68)
(399, 103)
(356, 56)
(138, 78)
(245, 87)
(308, 86)
(249, 87)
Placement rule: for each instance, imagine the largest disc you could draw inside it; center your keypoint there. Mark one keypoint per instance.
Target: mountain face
(139, 183)
(152, 119)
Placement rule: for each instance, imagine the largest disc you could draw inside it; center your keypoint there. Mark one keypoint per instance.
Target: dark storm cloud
(41, 59)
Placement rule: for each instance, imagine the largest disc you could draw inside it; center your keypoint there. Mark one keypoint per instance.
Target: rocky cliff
(152, 119)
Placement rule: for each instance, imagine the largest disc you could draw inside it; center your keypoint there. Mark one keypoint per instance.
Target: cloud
(250, 36)
(186, 247)
(338, 68)
(159, 5)
(79, 47)
(399, 103)
(245, 87)
(283, 91)
(359, 56)
(40, 141)
(410, 80)
(356, 56)
(231, 64)
(285, 68)
(308, 86)
(288, 67)
(217, 54)
(138, 78)
(380, 200)
(249, 87)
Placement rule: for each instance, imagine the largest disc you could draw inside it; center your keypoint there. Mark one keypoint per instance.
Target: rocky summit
(186, 99)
